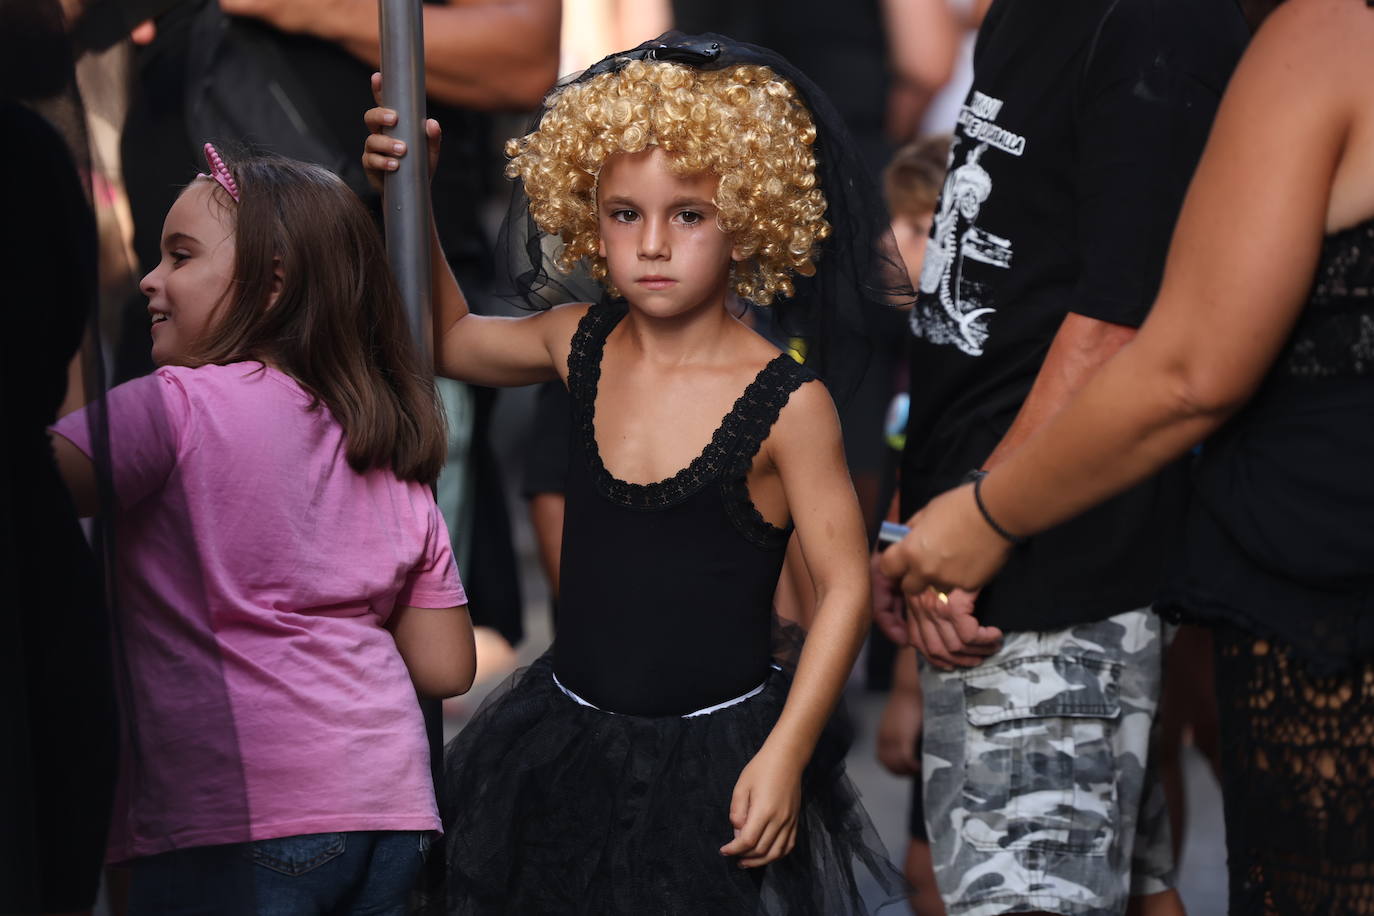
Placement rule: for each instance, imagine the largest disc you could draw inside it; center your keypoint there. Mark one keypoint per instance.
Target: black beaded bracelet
(976, 477)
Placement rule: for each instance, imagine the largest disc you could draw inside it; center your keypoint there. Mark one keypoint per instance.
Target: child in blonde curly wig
(656, 760)
(744, 125)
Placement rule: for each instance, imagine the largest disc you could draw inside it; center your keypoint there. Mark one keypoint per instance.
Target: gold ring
(942, 596)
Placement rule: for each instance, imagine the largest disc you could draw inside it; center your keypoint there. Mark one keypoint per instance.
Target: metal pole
(405, 202)
(405, 196)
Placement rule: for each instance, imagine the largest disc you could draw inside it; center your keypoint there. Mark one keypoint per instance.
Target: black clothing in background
(546, 455)
(1280, 534)
(57, 712)
(1071, 157)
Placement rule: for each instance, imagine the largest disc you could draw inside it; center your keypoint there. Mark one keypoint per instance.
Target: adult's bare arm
(947, 631)
(922, 39)
(1239, 269)
(480, 54)
(1081, 347)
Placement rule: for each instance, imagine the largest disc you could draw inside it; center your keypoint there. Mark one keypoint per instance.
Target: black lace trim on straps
(726, 458)
(755, 416)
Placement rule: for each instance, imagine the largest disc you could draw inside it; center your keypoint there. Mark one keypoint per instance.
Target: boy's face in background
(911, 232)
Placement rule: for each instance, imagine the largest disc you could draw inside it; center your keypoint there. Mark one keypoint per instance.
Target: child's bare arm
(487, 350)
(805, 446)
(436, 645)
(807, 450)
(78, 473)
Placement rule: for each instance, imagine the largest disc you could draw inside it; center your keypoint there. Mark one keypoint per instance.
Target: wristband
(976, 477)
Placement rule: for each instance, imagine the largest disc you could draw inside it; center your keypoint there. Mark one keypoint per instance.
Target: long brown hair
(338, 325)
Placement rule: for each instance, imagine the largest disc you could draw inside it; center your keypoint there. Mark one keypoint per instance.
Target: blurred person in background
(940, 114)
(1071, 156)
(291, 77)
(1259, 347)
(58, 736)
(912, 187)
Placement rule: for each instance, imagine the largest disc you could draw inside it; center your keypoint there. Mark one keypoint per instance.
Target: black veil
(859, 274)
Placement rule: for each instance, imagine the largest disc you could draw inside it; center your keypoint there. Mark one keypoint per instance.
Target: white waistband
(691, 715)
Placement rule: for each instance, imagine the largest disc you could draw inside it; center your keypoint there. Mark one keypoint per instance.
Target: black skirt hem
(554, 807)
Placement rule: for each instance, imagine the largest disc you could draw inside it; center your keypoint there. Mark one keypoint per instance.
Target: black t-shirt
(1072, 154)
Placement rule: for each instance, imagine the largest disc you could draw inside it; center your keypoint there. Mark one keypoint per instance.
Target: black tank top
(666, 593)
(1280, 538)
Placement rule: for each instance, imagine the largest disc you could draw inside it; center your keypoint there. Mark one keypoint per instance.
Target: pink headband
(220, 172)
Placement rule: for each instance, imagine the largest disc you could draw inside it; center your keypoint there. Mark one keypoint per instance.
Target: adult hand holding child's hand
(951, 548)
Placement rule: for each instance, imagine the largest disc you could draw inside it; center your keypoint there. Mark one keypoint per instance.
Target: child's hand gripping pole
(384, 160)
(384, 151)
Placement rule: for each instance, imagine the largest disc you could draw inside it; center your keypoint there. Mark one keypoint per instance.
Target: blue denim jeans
(361, 874)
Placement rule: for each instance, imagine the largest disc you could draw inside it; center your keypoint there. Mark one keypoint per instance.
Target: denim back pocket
(1040, 768)
(295, 855)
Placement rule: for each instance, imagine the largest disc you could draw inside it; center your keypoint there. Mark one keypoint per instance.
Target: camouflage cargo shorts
(1040, 789)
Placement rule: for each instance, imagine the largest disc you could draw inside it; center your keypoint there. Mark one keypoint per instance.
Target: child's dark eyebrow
(173, 238)
(698, 202)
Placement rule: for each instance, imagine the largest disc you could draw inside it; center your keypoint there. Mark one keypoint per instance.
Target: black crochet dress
(1279, 554)
(555, 806)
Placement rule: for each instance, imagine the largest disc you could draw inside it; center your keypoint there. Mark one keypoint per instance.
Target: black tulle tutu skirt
(552, 807)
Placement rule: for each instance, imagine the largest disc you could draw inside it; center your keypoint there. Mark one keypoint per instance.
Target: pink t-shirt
(256, 571)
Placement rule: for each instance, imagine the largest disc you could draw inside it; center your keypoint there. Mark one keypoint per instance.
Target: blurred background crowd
(154, 80)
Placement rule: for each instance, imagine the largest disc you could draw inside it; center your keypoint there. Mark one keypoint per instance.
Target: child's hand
(381, 153)
(898, 732)
(889, 605)
(764, 808)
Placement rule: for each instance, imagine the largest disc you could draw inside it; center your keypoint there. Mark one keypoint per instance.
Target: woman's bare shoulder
(1308, 77)
(1327, 47)
(1331, 35)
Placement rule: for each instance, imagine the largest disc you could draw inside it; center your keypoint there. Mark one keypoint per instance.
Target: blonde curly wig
(743, 124)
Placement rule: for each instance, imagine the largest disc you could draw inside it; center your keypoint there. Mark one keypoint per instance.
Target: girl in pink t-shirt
(285, 579)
